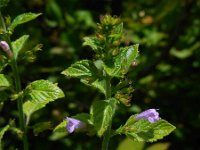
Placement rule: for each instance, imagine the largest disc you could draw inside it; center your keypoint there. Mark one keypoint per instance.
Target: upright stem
(106, 137)
(17, 87)
(20, 103)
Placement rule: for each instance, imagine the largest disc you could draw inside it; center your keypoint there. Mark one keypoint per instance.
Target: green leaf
(81, 69)
(61, 127)
(120, 66)
(5, 81)
(22, 18)
(30, 107)
(101, 115)
(18, 45)
(39, 93)
(43, 91)
(2, 132)
(92, 42)
(99, 84)
(143, 130)
(42, 126)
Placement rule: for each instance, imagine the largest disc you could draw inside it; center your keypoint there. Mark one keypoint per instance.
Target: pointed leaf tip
(22, 18)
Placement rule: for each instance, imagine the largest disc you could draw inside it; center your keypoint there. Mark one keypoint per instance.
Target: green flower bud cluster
(107, 38)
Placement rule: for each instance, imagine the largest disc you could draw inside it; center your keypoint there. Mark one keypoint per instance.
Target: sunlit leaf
(92, 42)
(143, 130)
(101, 114)
(39, 93)
(30, 107)
(18, 45)
(81, 69)
(61, 127)
(122, 61)
(43, 91)
(5, 81)
(22, 18)
(99, 84)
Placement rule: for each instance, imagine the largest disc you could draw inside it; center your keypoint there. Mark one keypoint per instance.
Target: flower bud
(5, 47)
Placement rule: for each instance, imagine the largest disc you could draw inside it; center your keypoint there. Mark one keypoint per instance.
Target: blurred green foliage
(165, 77)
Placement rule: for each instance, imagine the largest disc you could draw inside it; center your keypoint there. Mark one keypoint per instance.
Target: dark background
(167, 76)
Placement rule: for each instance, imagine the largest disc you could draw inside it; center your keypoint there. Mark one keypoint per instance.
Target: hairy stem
(17, 85)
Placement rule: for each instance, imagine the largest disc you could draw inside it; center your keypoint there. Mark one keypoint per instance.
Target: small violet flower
(74, 124)
(5, 47)
(151, 115)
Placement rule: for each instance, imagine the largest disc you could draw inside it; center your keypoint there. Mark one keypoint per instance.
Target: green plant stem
(17, 86)
(107, 134)
(20, 103)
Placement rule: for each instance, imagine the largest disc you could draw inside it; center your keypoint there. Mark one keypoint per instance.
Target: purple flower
(74, 124)
(5, 47)
(151, 115)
